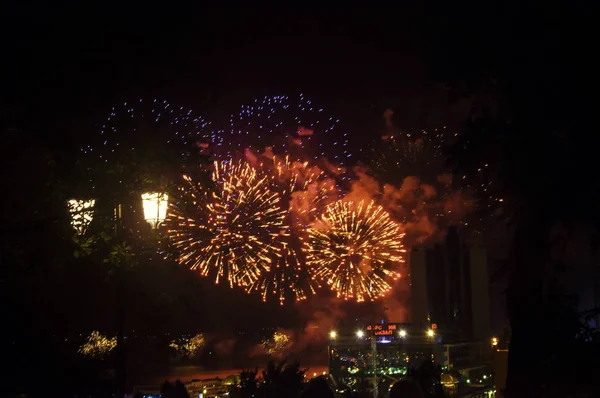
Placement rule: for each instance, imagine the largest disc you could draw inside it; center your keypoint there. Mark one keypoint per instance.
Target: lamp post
(155, 207)
(155, 212)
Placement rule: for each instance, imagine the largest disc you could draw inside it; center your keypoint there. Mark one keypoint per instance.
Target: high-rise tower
(450, 288)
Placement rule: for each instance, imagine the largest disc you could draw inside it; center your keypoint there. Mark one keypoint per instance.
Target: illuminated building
(450, 288)
(391, 349)
(450, 324)
(207, 388)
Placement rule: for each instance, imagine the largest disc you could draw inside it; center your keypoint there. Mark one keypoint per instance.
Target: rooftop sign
(386, 329)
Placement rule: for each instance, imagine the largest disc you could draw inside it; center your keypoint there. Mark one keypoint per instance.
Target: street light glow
(155, 207)
(430, 333)
(82, 212)
(360, 334)
(494, 341)
(402, 333)
(333, 334)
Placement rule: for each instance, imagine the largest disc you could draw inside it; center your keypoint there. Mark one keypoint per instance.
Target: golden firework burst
(97, 345)
(357, 249)
(229, 232)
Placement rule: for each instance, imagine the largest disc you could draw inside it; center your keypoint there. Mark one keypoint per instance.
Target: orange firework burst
(277, 345)
(230, 232)
(305, 188)
(356, 248)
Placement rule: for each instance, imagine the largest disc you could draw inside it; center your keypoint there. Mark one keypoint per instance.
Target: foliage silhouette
(174, 390)
(279, 380)
(527, 133)
(317, 388)
(248, 385)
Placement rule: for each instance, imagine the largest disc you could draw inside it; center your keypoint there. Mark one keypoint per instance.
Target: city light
(402, 333)
(494, 341)
(360, 334)
(430, 333)
(333, 334)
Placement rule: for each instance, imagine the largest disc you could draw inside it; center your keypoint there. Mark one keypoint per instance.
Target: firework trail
(97, 345)
(230, 232)
(188, 347)
(355, 248)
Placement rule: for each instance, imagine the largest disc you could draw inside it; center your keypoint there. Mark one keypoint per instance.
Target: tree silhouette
(248, 385)
(281, 380)
(527, 135)
(317, 388)
(174, 390)
(143, 146)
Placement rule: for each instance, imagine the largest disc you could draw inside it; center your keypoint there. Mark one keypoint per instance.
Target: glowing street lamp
(155, 207)
(494, 341)
(402, 333)
(82, 213)
(332, 334)
(360, 334)
(430, 333)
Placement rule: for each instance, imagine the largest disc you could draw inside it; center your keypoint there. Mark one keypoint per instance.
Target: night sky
(528, 65)
(67, 65)
(70, 62)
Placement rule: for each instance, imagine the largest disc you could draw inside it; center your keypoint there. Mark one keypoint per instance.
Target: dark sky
(70, 61)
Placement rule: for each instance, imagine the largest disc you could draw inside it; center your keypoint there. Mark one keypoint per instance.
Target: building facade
(450, 288)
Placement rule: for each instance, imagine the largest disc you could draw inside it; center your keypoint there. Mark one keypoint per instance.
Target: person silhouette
(406, 389)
